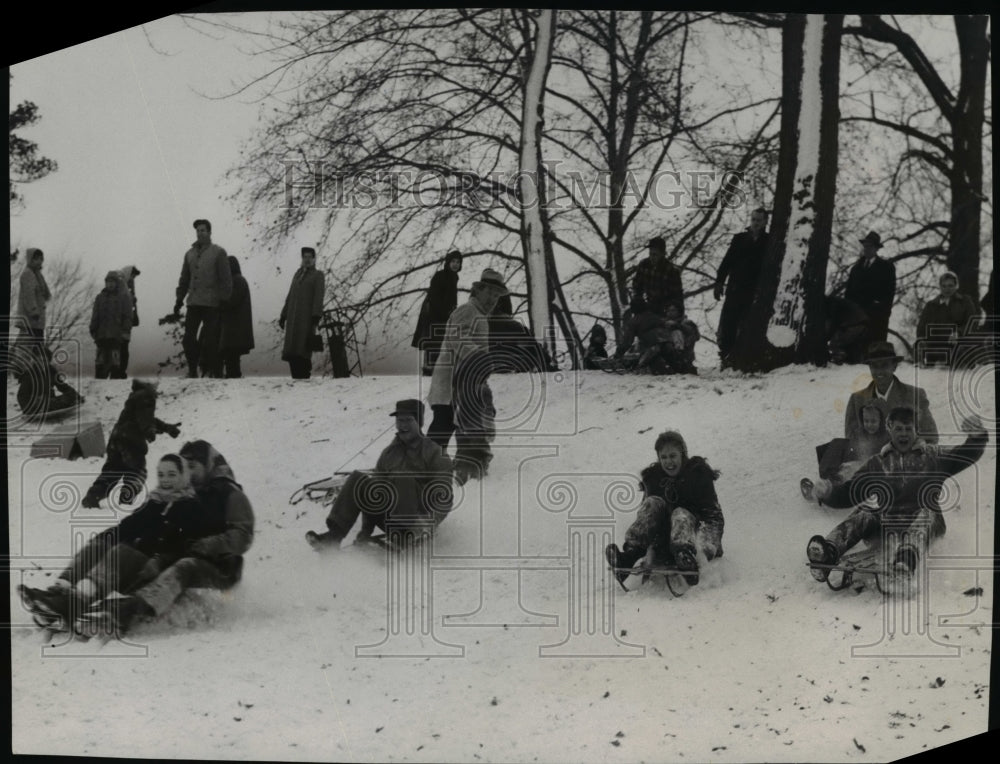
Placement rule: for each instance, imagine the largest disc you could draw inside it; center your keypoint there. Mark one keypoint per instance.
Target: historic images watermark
(322, 185)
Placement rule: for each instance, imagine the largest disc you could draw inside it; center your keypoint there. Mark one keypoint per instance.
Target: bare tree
(73, 291)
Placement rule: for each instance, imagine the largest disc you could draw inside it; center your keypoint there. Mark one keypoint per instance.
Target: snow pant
(396, 503)
(474, 415)
(734, 309)
(122, 371)
(127, 466)
(667, 531)
(190, 573)
(108, 359)
(300, 366)
(917, 527)
(442, 427)
(201, 349)
(231, 363)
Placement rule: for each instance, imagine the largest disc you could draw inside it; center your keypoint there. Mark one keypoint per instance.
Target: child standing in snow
(679, 516)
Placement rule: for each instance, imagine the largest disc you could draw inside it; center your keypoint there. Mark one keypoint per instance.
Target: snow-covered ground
(511, 654)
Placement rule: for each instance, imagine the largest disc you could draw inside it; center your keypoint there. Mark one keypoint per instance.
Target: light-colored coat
(899, 395)
(303, 308)
(33, 297)
(468, 330)
(205, 276)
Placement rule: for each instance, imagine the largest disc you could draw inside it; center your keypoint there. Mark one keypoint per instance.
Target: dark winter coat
(136, 426)
(111, 318)
(205, 276)
(956, 313)
(873, 288)
(237, 318)
(129, 273)
(899, 395)
(908, 482)
(230, 518)
(658, 284)
(302, 312)
(441, 300)
(741, 266)
(693, 489)
(427, 464)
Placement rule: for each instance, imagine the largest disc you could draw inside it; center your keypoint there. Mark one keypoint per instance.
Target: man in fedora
(459, 394)
(889, 393)
(871, 285)
(409, 491)
(301, 314)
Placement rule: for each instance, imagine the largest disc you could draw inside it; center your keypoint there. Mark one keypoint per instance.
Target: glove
(173, 430)
(281, 323)
(718, 291)
(177, 307)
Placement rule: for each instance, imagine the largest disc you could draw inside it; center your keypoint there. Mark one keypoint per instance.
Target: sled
(381, 541)
(627, 364)
(868, 563)
(321, 491)
(676, 578)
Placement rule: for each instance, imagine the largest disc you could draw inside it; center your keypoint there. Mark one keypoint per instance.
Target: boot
(686, 560)
(905, 562)
(807, 487)
(322, 541)
(822, 551)
(112, 616)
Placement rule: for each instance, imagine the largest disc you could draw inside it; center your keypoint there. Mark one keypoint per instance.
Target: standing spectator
(237, 324)
(207, 281)
(34, 294)
(128, 274)
(871, 285)
(741, 267)
(657, 281)
(889, 392)
(441, 300)
(459, 379)
(943, 322)
(301, 314)
(110, 322)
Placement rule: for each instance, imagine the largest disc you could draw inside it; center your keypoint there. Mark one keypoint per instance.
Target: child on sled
(679, 516)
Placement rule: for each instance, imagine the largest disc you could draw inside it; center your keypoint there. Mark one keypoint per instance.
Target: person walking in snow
(206, 281)
(896, 490)
(441, 300)
(210, 556)
(301, 314)
(460, 395)
(110, 323)
(408, 492)
(236, 338)
(679, 517)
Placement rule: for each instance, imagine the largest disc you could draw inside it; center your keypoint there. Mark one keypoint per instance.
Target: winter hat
(872, 238)
(492, 279)
(410, 407)
(453, 255)
(112, 276)
(671, 438)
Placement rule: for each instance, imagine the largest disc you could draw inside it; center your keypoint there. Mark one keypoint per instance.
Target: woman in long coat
(237, 323)
(441, 300)
(301, 315)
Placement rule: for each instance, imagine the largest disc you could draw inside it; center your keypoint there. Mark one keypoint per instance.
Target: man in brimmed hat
(409, 490)
(886, 390)
(459, 394)
(871, 285)
(301, 314)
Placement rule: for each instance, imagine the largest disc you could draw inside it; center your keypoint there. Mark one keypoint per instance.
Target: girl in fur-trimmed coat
(680, 514)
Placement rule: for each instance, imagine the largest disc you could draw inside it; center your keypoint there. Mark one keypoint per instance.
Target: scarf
(165, 496)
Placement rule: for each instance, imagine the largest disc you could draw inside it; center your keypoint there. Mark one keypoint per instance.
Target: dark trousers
(122, 371)
(300, 367)
(734, 310)
(108, 359)
(878, 324)
(474, 415)
(391, 502)
(442, 427)
(231, 363)
(201, 348)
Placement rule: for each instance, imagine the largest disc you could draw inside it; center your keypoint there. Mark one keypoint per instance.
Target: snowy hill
(507, 654)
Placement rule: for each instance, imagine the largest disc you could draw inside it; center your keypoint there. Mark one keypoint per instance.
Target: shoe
(819, 550)
(112, 616)
(685, 560)
(321, 541)
(807, 487)
(60, 603)
(611, 554)
(905, 562)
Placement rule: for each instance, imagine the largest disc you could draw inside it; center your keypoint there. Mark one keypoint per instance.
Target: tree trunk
(967, 142)
(786, 321)
(535, 240)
